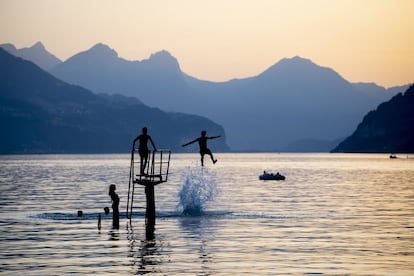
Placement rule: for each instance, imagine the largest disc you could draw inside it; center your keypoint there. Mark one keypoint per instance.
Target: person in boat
(202, 142)
(143, 148)
(115, 206)
(267, 174)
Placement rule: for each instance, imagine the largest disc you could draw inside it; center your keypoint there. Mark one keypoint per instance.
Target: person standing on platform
(143, 148)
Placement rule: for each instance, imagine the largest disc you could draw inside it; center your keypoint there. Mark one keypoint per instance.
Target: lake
(335, 214)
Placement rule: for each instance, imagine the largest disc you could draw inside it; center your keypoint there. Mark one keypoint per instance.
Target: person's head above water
(203, 133)
(144, 130)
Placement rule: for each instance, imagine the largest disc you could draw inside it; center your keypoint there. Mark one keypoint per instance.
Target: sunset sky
(217, 40)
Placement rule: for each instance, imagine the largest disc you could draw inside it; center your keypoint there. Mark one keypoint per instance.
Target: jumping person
(202, 142)
(115, 206)
(143, 148)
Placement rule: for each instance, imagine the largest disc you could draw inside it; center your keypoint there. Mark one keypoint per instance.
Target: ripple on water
(334, 214)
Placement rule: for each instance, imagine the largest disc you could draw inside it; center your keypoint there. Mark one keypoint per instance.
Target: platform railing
(154, 171)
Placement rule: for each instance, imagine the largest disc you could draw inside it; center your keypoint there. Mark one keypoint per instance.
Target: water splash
(199, 188)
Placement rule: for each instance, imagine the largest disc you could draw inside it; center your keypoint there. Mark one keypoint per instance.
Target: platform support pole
(150, 213)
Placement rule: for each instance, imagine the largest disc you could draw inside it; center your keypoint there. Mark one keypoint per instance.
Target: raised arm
(186, 144)
(214, 137)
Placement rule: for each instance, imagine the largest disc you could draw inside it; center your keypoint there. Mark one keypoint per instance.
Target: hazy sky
(363, 40)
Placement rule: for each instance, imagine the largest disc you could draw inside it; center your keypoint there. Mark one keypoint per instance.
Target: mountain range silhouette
(388, 128)
(294, 105)
(42, 114)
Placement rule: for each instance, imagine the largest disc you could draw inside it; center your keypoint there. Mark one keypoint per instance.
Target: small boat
(271, 176)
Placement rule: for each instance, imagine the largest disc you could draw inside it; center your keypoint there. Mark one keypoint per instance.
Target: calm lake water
(335, 214)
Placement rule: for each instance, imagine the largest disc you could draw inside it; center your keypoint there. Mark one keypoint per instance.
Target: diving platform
(147, 172)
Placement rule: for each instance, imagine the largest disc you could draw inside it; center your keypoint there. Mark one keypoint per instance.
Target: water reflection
(334, 215)
(199, 229)
(145, 255)
(113, 235)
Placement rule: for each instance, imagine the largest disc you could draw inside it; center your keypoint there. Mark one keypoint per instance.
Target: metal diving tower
(147, 174)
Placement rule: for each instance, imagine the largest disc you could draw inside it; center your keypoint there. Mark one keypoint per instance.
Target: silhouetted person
(115, 206)
(143, 148)
(202, 142)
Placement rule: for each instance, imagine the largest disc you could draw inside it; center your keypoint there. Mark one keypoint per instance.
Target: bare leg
(142, 165)
(212, 158)
(145, 162)
(144, 159)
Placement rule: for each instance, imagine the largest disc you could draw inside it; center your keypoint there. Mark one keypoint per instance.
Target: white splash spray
(199, 188)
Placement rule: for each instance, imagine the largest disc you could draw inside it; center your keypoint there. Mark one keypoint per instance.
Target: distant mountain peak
(164, 59)
(295, 64)
(300, 68)
(10, 48)
(36, 53)
(38, 46)
(102, 49)
(97, 54)
(163, 54)
(296, 61)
